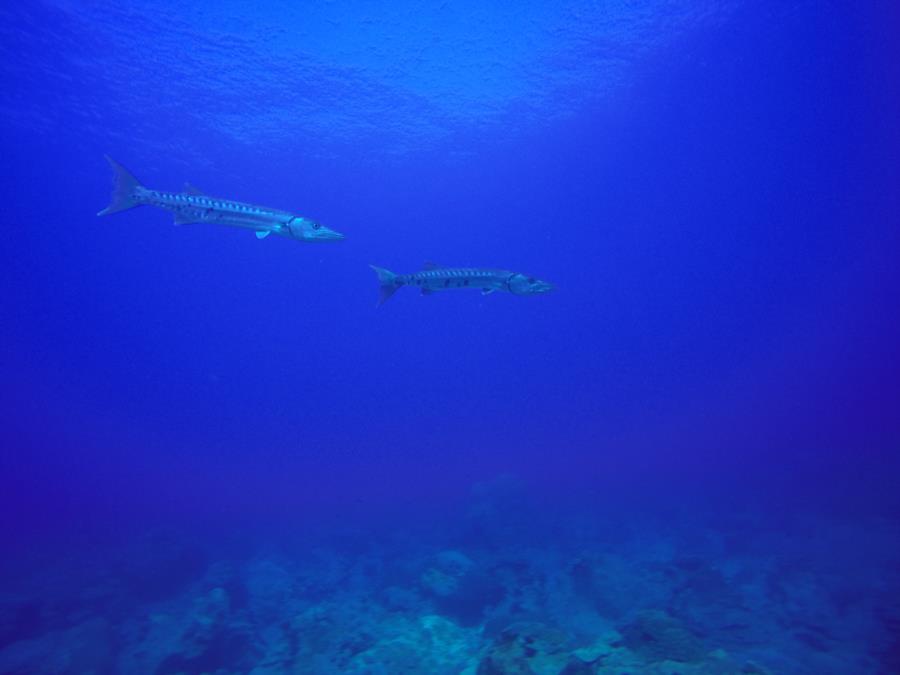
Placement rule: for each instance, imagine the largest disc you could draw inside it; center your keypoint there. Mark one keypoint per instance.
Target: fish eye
(316, 225)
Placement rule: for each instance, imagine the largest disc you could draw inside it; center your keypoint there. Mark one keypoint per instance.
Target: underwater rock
(527, 648)
(444, 577)
(323, 572)
(753, 668)
(211, 611)
(198, 632)
(399, 599)
(660, 637)
(85, 649)
(431, 645)
(459, 589)
(453, 562)
(439, 583)
(210, 642)
(615, 586)
(229, 651)
(476, 593)
(578, 667)
(712, 606)
(328, 636)
(271, 590)
(602, 647)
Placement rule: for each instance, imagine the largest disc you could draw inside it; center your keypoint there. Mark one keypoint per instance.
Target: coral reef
(656, 600)
(527, 647)
(660, 637)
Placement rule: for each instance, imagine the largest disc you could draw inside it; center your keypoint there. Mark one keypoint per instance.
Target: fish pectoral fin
(262, 234)
(192, 190)
(487, 291)
(184, 218)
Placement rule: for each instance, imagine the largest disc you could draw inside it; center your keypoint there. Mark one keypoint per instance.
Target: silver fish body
(192, 206)
(436, 278)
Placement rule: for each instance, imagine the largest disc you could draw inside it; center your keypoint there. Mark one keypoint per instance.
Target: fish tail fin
(124, 189)
(388, 281)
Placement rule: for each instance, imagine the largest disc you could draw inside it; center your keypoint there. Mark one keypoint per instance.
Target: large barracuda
(192, 206)
(436, 278)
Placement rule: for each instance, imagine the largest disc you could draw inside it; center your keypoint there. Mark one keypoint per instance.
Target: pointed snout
(327, 234)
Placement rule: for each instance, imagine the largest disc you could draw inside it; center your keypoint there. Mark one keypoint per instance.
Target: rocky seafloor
(485, 595)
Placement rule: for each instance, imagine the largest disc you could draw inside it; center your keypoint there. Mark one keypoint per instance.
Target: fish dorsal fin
(192, 190)
(431, 266)
(262, 234)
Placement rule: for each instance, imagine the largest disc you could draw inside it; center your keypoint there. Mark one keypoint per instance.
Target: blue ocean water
(218, 456)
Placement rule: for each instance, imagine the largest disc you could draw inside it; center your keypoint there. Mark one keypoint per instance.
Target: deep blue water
(218, 456)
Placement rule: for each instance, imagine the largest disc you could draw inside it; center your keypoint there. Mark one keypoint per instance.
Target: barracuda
(436, 278)
(192, 206)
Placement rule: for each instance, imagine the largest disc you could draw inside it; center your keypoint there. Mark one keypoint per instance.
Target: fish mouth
(325, 234)
(543, 287)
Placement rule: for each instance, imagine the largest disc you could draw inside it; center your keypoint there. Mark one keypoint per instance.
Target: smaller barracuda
(436, 278)
(192, 206)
